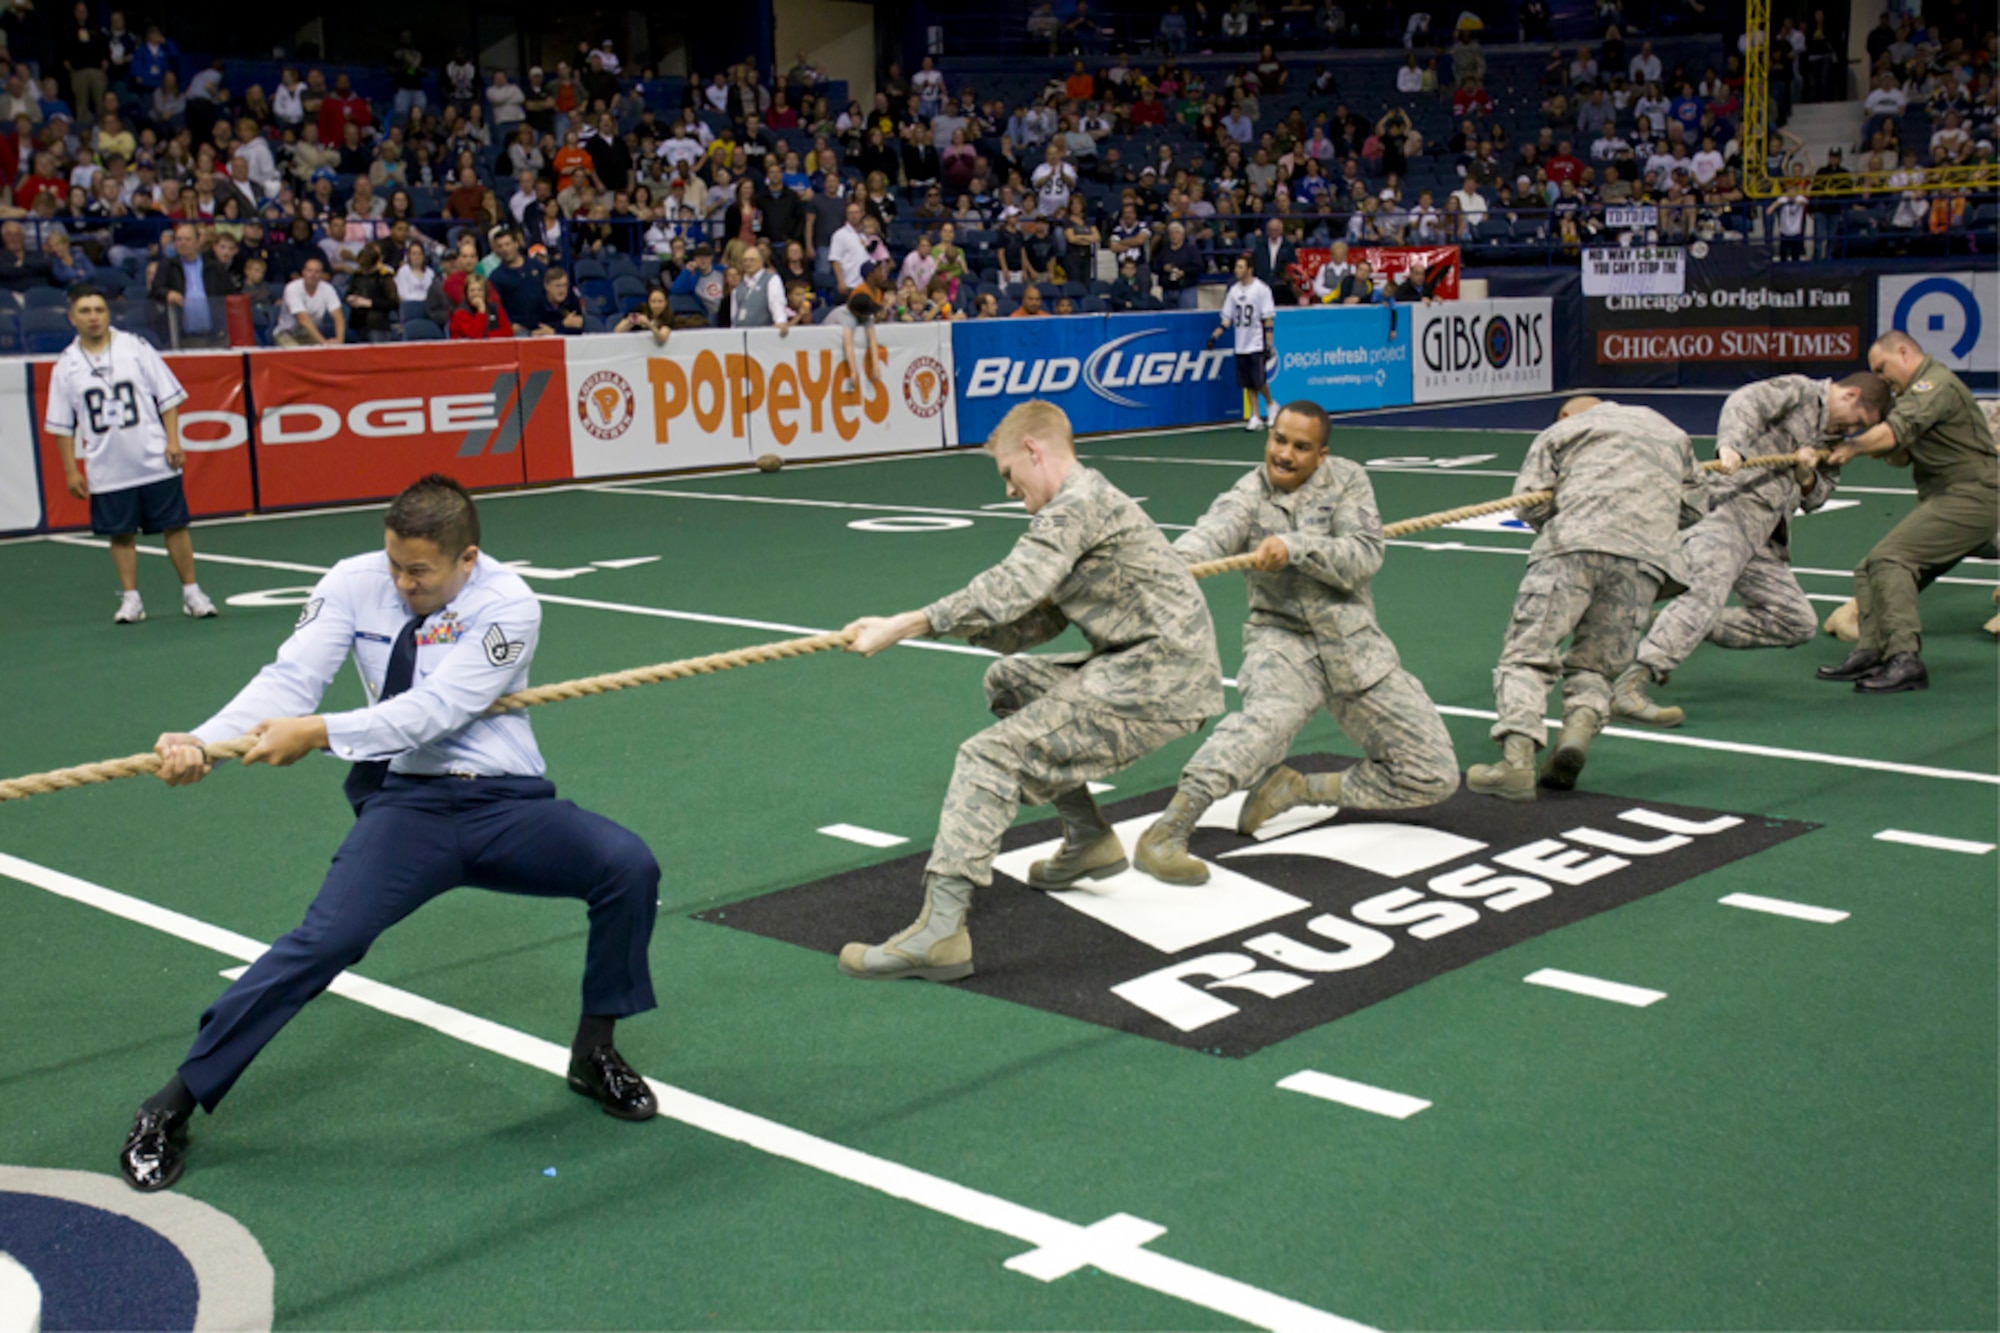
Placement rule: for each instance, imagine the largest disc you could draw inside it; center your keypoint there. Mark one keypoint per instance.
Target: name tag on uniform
(374, 638)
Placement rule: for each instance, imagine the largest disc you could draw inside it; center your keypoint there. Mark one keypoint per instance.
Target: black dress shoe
(155, 1151)
(605, 1078)
(1903, 671)
(1858, 664)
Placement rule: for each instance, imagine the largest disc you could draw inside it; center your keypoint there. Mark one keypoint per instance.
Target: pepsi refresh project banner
(1344, 357)
(1480, 349)
(1108, 372)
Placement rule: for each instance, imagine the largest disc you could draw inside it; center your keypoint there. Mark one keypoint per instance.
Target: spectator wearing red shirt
(342, 105)
(42, 178)
(466, 197)
(1148, 110)
(1565, 166)
(479, 317)
(1471, 99)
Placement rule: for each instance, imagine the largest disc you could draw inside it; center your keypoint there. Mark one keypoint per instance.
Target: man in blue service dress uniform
(444, 794)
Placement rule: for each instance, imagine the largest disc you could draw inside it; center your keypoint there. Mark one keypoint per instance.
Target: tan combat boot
(1163, 852)
(1281, 790)
(1090, 849)
(1629, 699)
(1845, 622)
(1572, 747)
(935, 947)
(1513, 778)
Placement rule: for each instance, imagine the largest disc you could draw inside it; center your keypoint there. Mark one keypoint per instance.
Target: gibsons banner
(1737, 317)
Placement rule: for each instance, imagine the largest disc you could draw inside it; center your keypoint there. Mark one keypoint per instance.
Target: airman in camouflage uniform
(1312, 643)
(1938, 428)
(1625, 481)
(1744, 545)
(1093, 559)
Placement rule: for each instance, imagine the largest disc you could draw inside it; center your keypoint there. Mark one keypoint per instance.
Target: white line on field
(1754, 902)
(1361, 1096)
(1595, 987)
(1432, 471)
(1934, 842)
(1763, 751)
(1120, 1253)
(867, 837)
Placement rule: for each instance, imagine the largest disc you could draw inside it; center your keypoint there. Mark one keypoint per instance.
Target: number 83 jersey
(111, 402)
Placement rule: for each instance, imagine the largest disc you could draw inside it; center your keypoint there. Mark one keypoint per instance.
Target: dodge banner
(214, 432)
(361, 423)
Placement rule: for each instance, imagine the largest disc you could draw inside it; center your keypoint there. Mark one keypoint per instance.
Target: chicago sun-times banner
(1739, 316)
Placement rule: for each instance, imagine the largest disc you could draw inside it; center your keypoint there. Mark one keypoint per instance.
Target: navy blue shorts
(1250, 370)
(158, 506)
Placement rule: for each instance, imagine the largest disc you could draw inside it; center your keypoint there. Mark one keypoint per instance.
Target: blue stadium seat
(590, 268)
(421, 330)
(680, 303)
(410, 310)
(628, 290)
(45, 298)
(45, 331)
(112, 280)
(620, 266)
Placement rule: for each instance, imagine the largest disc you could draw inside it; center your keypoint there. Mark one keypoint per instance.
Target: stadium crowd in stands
(591, 195)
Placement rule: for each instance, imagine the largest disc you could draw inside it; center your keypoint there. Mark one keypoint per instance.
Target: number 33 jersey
(111, 402)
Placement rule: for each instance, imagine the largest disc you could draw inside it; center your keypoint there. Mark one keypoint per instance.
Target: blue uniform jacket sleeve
(306, 664)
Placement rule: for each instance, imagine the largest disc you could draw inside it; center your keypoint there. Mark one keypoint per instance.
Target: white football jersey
(111, 403)
(1244, 311)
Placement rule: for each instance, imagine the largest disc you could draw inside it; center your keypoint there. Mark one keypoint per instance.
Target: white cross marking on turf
(1117, 1233)
(867, 837)
(1597, 989)
(1756, 902)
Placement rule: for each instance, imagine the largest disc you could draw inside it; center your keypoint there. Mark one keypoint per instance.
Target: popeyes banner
(214, 432)
(721, 398)
(900, 409)
(361, 423)
(1388, 264)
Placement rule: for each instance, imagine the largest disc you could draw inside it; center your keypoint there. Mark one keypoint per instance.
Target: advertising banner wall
(1342, 357)
(801, 400)
(1481, 349)
(1954, 316)
(214, 432)
(635, 406)
(1389, 263)
(1739, 317)
(1108, 372)
(20, 497)
(361, 423)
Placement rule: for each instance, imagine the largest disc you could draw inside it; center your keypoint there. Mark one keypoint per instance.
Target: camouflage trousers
(1046, 742)
(1409, 756)
(1727, 552)
(1602, 601)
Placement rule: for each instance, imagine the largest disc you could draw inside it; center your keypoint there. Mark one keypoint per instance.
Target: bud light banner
(1108, 372)
(1345, 358)
(1481, 349)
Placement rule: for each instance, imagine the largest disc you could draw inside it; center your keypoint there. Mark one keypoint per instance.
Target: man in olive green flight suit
(1938, 426)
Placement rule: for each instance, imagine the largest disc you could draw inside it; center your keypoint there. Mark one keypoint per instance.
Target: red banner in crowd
(213, 431)
(361, 423)
(1388, 263)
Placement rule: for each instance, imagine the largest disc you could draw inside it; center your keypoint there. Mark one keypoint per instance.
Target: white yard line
(1933, 842)
(1118, 1250)
(1361, 1096)
(1595, 987)
(1754, 902)
(867, 837)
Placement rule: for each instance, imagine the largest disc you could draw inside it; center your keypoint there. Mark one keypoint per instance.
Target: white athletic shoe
(197, 604)
(131, 610)
(1254, 423)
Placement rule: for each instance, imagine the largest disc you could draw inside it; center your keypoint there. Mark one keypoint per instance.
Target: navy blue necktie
(365, 779)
